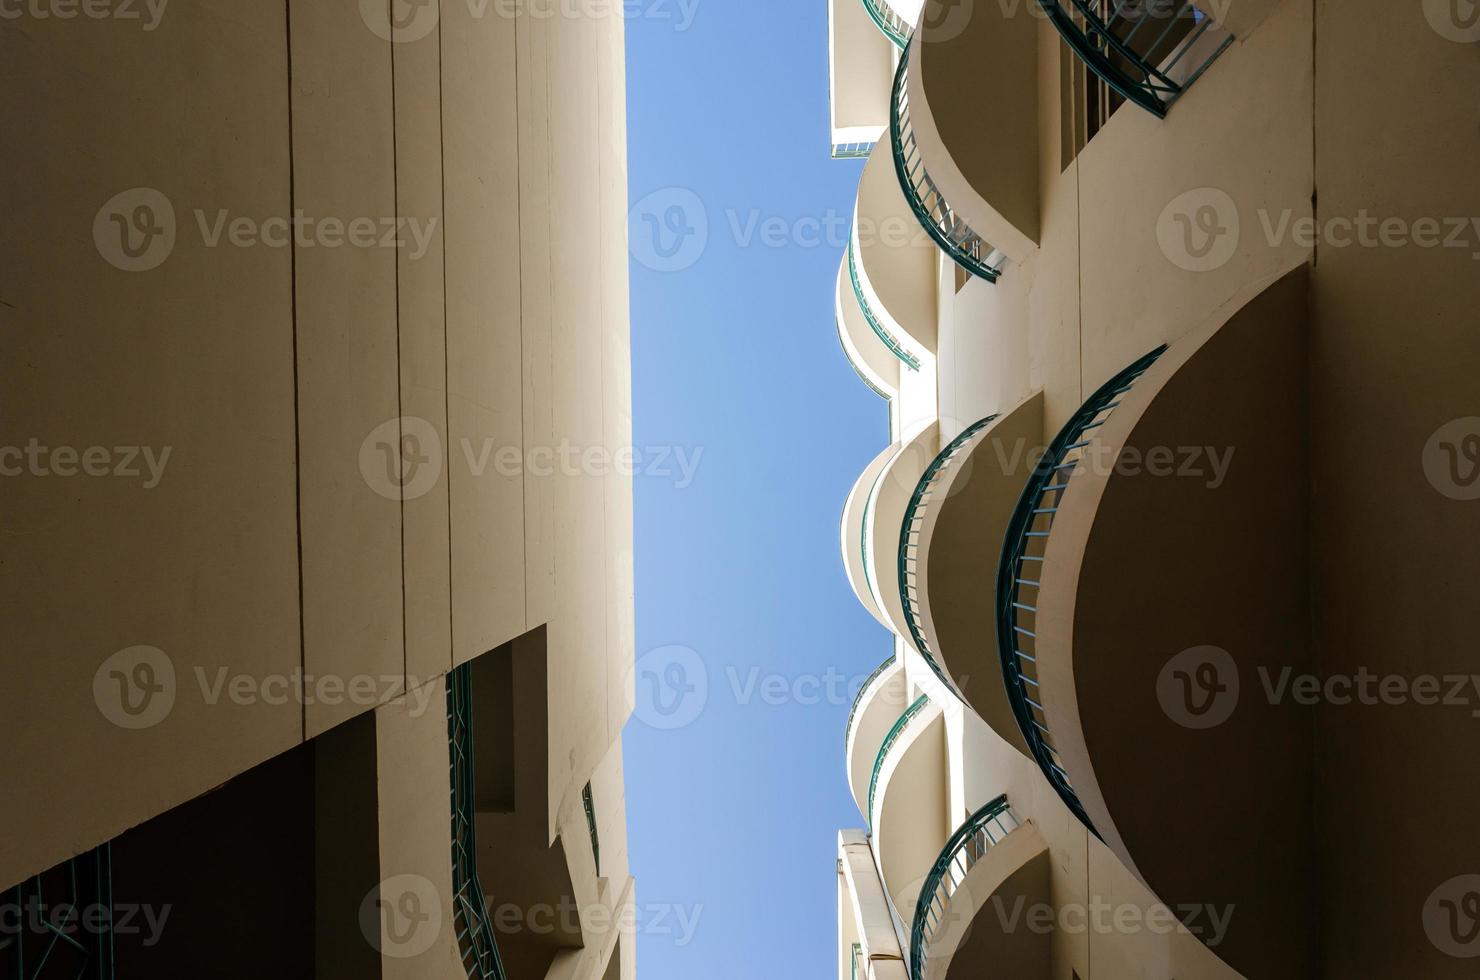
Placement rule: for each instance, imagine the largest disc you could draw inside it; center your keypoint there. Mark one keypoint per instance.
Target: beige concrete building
(1173, 305)
(317, 594)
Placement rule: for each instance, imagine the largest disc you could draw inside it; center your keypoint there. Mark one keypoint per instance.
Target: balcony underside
(960, 542)
(910, 818)
(978, 139)
(896, 259)
(857, 562)
(879, 705)
(876, 365)
(985, 931)
(1173, 592)
(896, 486)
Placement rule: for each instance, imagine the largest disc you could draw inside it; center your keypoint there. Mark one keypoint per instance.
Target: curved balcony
(1153, 583)
(853, 539)
(890, 738)
(936, 215)
(992, 860)
(894, 263)
(908, 799)
(881, 698)
(951, 541)
(874, 362)
(1020, 576)
(883, 517)
(471, 923)
(893, 344)
(969, 165)
(911, 595)
(1148, 53)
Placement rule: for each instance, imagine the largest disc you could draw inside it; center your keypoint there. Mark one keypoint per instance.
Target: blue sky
(735, 796)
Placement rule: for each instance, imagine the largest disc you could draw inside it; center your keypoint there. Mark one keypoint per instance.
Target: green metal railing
(62, 922)
(1020, 573)
(589, 802)
(857, 952)
(476, 943)
(894, 735)
(1144, 65)
(895, 28)
(858, 698)
(885, 337)
(954, 236)
(856, 369)
(909, 545)
(863, 535)
(967, 846)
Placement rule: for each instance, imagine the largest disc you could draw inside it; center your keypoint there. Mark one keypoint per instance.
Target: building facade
(317, 595)
(1173, 306)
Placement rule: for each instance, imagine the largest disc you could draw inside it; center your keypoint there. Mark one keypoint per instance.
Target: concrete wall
(345, 421)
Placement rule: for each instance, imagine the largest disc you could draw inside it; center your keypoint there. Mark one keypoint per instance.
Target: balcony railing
(852, 151)
(75, 935)
(909, 544)
(967, 846)
(856, 953)
(885, 337)
(863, 537)
(474, 931)
(895, 27)
(941, 221)
(1148, 51)
(588, 801)
(1020, 574)
(856, 369)
(894, 735)
(858, 698)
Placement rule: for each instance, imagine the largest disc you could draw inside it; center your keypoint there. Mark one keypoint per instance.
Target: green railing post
(885, 337)
(589, 802)
(476, 943)
(1024, 551)
(939, 219)
(858, 698)
(888, 743)
(1140, 68)
(967, 846)
(909, 545)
